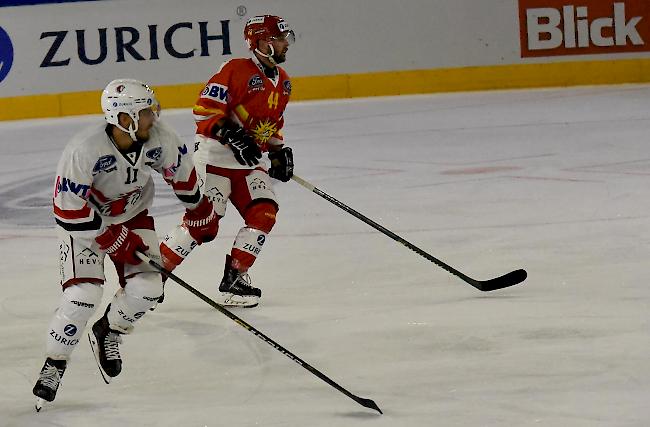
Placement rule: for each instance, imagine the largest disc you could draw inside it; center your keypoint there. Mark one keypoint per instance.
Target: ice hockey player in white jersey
(102, 191)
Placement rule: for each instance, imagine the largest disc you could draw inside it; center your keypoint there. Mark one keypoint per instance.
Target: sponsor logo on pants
(63, 340)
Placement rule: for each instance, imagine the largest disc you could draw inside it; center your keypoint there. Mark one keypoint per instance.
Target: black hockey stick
(368, 403)
(509, 279)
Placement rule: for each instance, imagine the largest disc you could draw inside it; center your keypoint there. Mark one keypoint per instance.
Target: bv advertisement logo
(6, 54)
(581, 27)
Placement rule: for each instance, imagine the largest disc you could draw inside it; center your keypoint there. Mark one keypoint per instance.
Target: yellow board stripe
(367, 84)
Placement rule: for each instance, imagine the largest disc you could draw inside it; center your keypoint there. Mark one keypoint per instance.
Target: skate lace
(244, 280)
(50, 377)
(111, 346)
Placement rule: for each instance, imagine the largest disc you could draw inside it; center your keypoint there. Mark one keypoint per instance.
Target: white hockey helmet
(127, 96)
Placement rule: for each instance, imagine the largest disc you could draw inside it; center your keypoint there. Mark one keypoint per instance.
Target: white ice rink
(553, 181)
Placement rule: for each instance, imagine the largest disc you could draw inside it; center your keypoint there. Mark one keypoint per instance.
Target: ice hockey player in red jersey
(102, 193)
(239, 115)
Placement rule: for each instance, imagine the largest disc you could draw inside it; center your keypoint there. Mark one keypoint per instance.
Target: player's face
(281, 46)
(146, 118)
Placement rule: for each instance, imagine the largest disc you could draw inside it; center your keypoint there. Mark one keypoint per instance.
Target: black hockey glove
(281, 164)
(243, 146)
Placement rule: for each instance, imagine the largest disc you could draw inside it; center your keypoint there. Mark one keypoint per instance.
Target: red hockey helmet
(265, 27)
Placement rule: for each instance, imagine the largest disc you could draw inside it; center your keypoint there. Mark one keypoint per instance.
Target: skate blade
(231, 300)
(95, 349)
(39, 404)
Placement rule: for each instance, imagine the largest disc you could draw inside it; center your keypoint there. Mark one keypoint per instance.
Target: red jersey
(241, 92)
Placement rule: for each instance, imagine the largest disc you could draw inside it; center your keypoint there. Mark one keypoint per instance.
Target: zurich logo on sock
(6, 54)
(70, 330)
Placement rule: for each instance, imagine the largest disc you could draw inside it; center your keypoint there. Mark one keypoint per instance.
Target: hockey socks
(176, 246)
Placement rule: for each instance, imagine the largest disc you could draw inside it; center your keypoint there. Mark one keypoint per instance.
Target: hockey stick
(509, 279)
(368, 403)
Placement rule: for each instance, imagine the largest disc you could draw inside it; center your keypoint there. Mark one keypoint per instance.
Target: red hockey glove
(121, 244)
(201, 222)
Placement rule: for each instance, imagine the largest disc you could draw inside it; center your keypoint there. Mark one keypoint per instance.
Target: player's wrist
(225, 131)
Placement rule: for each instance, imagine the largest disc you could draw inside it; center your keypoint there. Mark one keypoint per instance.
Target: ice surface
(553, 181)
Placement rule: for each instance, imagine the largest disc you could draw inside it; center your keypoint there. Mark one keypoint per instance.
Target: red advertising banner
(581, 27)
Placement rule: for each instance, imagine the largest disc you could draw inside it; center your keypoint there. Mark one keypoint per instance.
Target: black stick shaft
(507, 280)
(360, 400)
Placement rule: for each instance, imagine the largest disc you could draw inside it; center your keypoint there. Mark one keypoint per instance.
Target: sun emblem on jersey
(265, 130)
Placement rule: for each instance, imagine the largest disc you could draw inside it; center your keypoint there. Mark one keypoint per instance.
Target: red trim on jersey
(71, 213)
(206, 127)
(229, 173)
(99, 195)
(141, 221)
(78, 280)
(186, 185)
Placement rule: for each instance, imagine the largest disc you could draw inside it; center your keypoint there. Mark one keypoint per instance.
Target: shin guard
(78, 303)
(134, 300)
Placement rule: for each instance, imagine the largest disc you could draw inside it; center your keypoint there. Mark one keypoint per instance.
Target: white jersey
(97, 185)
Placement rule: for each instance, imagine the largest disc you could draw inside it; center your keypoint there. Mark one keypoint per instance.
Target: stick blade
(505, 281)
(368, 403)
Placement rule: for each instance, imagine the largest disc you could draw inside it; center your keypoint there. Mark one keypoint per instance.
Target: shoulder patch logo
(287, 86)
(105, 164)
(154, 153)
(216, 92)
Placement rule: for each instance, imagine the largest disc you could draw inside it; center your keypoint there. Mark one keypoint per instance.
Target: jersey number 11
(131, 175)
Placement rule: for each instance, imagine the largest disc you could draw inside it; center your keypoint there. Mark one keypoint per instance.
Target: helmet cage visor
(288, 35)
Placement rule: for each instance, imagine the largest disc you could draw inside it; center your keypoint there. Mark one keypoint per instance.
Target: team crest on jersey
(154, 153)
(105, 164)
(287, 87)
(255, 83)
(264, 130)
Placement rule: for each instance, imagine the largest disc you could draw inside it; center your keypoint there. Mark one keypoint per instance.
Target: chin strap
(268, 56)
(132, 129)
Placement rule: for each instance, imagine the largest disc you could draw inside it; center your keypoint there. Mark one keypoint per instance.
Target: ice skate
(236, 290)
(48, 381)
(105, 345)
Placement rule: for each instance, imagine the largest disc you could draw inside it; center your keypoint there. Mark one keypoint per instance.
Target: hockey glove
(243, 146)
(201, 222)
(121, 244)
(281, 164)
